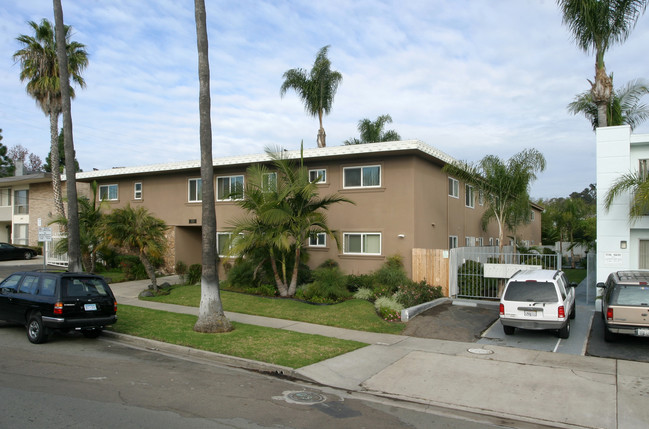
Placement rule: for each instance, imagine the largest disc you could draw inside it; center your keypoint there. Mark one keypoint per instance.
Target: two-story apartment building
(402, 200)
(621, 243)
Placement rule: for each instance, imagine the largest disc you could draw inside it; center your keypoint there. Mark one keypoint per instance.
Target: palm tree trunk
(74, 240)
(293, 286)
(211, 317)
(281, 285)
(602, 91)
(55, 163)
(150, 271)
(322, 137)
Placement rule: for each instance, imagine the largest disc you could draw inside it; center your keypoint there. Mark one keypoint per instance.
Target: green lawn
(276, 346)
(575, 275)
(353, 314)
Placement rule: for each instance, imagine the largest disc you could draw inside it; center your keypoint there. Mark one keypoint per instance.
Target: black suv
(43, 301)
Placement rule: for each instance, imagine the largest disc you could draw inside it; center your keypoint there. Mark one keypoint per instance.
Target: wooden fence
(431, 265)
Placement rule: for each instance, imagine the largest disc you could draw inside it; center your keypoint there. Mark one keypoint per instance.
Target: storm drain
(480, 351)
(303, 397)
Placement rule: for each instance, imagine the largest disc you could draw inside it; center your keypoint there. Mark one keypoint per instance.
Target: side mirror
(601, 285)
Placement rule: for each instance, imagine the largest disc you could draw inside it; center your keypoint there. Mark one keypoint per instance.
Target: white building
(621, 243)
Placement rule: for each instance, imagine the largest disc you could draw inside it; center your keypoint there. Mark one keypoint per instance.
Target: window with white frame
(21, 202)
(108, 192)
(195, 191)
(269, 182)
(137, 191)
(318, 240)
(21, 234)
(532, 215)
(5, 197)
(469, 198)
(452, 241)
(491, 241)
(643, 168)
(362, 243)
(469, 241)
(453, 188)
(497, 241)
(319, 174)
(362, 177)
(481, 198)
(223, 242)
(480, 241)
(229, 188)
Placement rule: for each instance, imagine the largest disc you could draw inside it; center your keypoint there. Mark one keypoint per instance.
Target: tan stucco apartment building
(402, 199)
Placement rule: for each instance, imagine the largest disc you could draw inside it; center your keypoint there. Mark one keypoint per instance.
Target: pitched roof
(330, 152)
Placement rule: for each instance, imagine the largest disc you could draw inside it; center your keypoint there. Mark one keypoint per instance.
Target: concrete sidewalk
(526, 386)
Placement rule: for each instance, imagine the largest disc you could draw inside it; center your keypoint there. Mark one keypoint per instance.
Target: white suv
(538, 299)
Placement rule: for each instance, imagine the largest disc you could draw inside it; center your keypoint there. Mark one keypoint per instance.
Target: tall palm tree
(596, 25)
(316, 88)
(211, 317)
(281, 217)
(372, 132)
(504, 185)
(138, 233)
(40, 69)
(624, 107)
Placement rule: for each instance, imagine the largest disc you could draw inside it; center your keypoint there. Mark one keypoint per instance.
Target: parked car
(625, 304)
(9, 251)
(539, 300)
(45, 301)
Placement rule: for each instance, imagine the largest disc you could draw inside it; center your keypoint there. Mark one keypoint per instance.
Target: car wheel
(509, 330)
(573, 314)
(91, 333)
(36, 332)
(565, 331)
(28, 255)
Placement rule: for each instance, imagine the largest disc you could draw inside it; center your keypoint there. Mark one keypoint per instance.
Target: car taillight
(115, 306)
(609, 313)
(562, 312)
(502, 310)
(58, 308)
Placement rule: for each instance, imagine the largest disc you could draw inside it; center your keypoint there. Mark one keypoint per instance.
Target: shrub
(241, 275)
(471, 281)
(194, 274)
(181, 270)
(329, 286)
(391, 274)
(412, 293)
(388, 308)
(357, 282)
(329, 263)
(364, 293)
(132, 267)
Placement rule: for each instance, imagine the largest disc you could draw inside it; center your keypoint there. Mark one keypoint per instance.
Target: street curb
(203, 355)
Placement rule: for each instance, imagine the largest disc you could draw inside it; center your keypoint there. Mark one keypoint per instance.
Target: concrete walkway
(527, 387)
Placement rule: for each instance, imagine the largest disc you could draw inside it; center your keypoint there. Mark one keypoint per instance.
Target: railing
(52, 257)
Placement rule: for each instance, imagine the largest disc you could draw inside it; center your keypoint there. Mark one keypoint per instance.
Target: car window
(11, 282)
(82, 286)
(531, 292)
(47, 286)
(29, 284)
(562, 287)
(631, 295)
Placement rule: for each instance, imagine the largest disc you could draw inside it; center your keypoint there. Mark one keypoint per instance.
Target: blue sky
(471, 78)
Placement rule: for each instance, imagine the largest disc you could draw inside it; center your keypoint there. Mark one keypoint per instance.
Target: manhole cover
(480, 351)
(304, 397)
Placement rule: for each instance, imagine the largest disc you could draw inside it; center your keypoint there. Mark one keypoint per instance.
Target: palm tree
(637, 183)
(596, 25)
(211, 317)
(372, 132)
(39, 67)
(138, 233)
(624, 107)
(282, 216)
(504, 185)
(316, 88)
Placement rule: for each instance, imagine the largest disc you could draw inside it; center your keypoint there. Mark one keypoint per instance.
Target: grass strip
(276, 346)
(355, 314)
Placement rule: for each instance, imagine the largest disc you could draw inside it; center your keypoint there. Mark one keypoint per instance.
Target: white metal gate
(52, 257)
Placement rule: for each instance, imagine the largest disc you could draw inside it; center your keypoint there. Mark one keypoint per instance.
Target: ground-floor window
(21, 234)
(452, 241)
(223, 242)
(362, 243)
(318, 240)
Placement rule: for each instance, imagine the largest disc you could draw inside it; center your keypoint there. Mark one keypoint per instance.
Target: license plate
(642, 332)
(530, 313)
(90, 307)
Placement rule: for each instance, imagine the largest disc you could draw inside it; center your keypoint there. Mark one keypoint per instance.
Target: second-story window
(5, 197)
(108, 192)
(229, 188)
(362, 177)
(21, 202)
(469, 197)
(320, 175)
(137, 191)
(195, 191)
(453, 188)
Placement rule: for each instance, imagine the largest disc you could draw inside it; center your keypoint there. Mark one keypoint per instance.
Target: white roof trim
(311, 153)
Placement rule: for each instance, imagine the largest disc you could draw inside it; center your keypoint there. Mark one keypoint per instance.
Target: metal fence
(52, 257)
(466, 269)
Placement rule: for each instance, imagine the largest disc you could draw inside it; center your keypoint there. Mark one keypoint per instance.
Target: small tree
(372, 132)
(138, 233)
